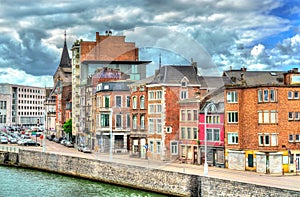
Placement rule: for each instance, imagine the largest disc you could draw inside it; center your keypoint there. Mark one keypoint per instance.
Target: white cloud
(257, 50)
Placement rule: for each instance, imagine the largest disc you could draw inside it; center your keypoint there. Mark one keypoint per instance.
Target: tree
(68, 127)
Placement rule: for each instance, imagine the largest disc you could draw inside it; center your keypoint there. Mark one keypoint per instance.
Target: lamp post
(205, 170)
(111, 135)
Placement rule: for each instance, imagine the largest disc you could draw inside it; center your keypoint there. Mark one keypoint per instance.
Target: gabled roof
(254, 78)
(174, 74)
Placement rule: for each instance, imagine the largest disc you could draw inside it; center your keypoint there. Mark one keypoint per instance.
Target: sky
(217, 34)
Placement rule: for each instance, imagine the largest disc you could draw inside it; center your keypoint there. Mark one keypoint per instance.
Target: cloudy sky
(218, 34)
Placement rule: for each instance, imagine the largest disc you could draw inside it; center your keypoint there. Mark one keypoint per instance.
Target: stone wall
(167, 182)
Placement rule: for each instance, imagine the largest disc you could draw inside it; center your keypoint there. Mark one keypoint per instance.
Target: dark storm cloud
(31, 32)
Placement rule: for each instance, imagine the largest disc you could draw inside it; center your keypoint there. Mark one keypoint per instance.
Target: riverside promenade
(287, 181)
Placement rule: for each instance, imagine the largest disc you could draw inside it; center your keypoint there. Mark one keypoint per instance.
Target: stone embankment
(162, 181)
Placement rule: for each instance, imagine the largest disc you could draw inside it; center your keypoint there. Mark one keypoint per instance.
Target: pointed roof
(65, 59)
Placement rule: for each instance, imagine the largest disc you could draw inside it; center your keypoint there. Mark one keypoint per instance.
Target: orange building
(262, 121)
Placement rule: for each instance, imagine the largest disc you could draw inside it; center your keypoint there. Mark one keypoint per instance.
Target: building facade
(22, 106)
(262, 127)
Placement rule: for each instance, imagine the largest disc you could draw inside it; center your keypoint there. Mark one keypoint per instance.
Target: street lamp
(205, 170)
(111, 135)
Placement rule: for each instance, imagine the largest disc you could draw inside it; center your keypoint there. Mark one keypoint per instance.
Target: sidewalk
(291, 182)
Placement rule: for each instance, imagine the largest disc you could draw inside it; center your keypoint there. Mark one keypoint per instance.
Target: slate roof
(65, 61)
(212, 82)
(254, 78)
(174, 74)
(143, 81)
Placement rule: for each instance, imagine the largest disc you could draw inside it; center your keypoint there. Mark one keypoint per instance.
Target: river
(20, 182)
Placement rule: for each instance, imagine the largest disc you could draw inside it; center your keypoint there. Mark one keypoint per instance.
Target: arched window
(134, 102)
(142, 102)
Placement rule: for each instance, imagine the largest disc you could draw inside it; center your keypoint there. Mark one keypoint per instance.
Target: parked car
(69, 144)
(12, 140)
(3, 140)
(86, 150)
(30, 143)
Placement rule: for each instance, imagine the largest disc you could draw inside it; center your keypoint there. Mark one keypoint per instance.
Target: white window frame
(142, 122)
(151, 95)
(232, 97)
(232, 117)
(158, 147)
(159, 94)
(296, 95)
(183, 94)
(116, 104)
(290, 94)
(174, 147)
(233, 138)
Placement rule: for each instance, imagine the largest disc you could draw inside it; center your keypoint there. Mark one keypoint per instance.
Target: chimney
(97, 37)
(194, 65)
(295, 70)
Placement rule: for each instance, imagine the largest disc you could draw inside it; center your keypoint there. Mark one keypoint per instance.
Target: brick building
(170, 85)
(139, 113)
(262, 120)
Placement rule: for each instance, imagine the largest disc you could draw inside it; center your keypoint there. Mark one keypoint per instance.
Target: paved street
(287, 181)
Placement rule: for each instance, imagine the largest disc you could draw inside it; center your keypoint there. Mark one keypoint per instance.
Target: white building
(21, 105)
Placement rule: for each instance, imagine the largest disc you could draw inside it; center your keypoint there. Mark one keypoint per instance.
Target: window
(118, 101)
(134, 102)
(195, 115)
(267, 117)
(291, 138)
(189, 133)
(296, 115)
(290, 115)
(213, 135)
(213, 119)
(274, 139)
(296, 95)
(183, 83)
(297, 137)
(233, 138)
(182, 134)
(142, 102)
(232, 97)
(158, 108)
(127, 101)
(128, 120)
(104, 120)
(151, 125)
(174, 148)
(260, 139)
(151, 109)
(183, 94)
(158, 126)
(151, 95)
(142, 122)
(189, 115)
(169, 129)
(182, 115)
(151, 147)
(259, 96)
(195, 133)
(134, 122)
(106, 101)
(266, 95)
(267, 140)
(290, 95)
(272, 96)
(119, 121)
(159, 94)
(158, 147)
(142, 88)
(232, 117)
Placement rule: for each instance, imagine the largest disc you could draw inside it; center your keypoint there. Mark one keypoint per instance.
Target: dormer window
(184, 82)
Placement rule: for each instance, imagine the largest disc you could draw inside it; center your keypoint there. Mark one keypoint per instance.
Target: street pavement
(287, 181)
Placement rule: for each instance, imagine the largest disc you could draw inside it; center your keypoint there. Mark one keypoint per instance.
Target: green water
(19, 182)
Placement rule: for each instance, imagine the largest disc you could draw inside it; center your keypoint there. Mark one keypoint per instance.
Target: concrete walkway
(287, 181)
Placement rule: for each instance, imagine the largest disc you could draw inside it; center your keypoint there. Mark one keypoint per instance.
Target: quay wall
(161, 181)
